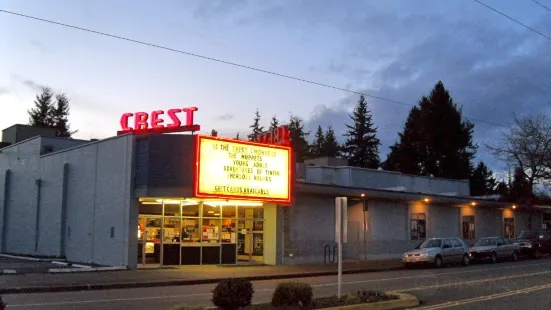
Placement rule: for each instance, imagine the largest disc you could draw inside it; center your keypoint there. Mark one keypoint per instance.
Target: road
(510, 285)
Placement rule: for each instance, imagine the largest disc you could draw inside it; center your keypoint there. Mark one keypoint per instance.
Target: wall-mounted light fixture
(426, 200)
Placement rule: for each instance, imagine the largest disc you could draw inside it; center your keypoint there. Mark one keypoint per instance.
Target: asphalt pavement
(508, 285)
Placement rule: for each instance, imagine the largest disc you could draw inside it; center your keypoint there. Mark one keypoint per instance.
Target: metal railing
(328, 254)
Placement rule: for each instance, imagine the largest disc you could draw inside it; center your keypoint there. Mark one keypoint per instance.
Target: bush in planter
(361, 297)
(232, 294)
(292, 294)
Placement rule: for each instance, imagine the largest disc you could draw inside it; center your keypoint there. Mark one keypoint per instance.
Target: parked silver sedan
(493, 249)
(437, 252)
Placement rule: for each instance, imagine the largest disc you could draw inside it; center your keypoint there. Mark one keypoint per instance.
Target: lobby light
(234, 203)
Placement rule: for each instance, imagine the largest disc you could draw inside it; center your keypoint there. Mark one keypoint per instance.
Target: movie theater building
(145, 198)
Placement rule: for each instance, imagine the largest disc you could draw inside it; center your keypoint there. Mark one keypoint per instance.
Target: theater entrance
(174, 232)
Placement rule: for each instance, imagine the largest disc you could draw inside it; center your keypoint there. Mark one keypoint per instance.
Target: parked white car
(437, 252)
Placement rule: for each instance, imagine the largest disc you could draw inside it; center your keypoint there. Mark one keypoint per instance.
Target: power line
(516, 21)
(542, 5)
(231, 63)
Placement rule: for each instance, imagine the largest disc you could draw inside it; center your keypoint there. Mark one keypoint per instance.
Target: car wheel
(514, 256)
(438, 262)
(465, 261)
(493, 258)
(407, 265)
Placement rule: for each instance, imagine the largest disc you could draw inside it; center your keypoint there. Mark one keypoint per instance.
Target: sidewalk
(189, 275)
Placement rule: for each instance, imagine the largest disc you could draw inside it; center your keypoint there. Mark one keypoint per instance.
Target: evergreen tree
(406, 155)
(60, 117)
(436, 140)
(214, 133)
(503, 190)
(237, 136)
(316, 149)
(41, 114)
(299, 137)
(256, 128)
(274, 123)
(520, 187)
(482, 181)
(331, 147)
(362, 145)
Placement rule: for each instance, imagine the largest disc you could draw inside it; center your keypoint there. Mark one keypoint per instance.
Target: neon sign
(279, 136)
(153, 123)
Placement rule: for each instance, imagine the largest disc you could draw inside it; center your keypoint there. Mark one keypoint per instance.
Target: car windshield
(486, 242)
(432, 243)
(528, 235)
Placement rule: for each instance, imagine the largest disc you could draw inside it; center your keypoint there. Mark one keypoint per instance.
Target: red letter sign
(153, 123)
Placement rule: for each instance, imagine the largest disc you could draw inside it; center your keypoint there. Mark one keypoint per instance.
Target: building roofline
(82, 145)
(381, 194)
(389, 172)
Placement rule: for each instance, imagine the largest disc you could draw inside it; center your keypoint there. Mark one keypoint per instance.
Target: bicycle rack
(327, 253)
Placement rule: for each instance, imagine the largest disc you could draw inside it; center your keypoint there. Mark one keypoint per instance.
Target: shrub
(292, 294)
(2, 304)
(232, 294)
(361, 297)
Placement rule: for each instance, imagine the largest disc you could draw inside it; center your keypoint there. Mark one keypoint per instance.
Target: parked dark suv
(534, 242)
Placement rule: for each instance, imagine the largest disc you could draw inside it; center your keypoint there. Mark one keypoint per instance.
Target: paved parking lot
(10, 265)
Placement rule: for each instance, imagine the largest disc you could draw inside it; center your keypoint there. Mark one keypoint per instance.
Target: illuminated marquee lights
(231, 169)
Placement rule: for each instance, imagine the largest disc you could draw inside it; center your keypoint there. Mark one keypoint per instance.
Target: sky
(396, 49)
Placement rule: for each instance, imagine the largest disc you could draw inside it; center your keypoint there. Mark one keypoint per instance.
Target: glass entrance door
(250, 234)
(149, 240)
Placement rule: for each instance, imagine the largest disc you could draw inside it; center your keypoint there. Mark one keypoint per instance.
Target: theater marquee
(233, 169)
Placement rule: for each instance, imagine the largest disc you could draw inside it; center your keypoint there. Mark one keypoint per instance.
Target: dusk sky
(396, 49)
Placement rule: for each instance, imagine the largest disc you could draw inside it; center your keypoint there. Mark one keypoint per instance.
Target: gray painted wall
(309, 226)
(99, 217)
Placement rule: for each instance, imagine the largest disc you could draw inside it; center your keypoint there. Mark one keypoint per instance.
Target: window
(447, 244)
(418, 226)
(468, 227)
(456, 243)
(509, 227)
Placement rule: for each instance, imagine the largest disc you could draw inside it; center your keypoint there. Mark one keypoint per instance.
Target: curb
(78, 267)
(404, 301)
(126, 285)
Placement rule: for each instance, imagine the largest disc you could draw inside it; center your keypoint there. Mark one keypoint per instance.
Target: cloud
(38, 45)
(4, 90)
(492, 72)
(225, 117)
(28, 83)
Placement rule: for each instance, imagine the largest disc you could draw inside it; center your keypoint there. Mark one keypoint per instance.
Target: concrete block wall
(98, 208)
(19, 209)
(308, 226)
(98, 201)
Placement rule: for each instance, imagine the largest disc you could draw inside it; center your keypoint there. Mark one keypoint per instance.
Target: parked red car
(534, 242)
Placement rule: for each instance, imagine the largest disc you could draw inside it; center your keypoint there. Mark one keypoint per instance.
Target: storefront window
(418, 225)
(229, 211)
(190, 230)
(191, 210)
(509, 227)
(172, 209)
(228, 231)
(211, 211)
(468, 227)
(211, 231)
(172, 230)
